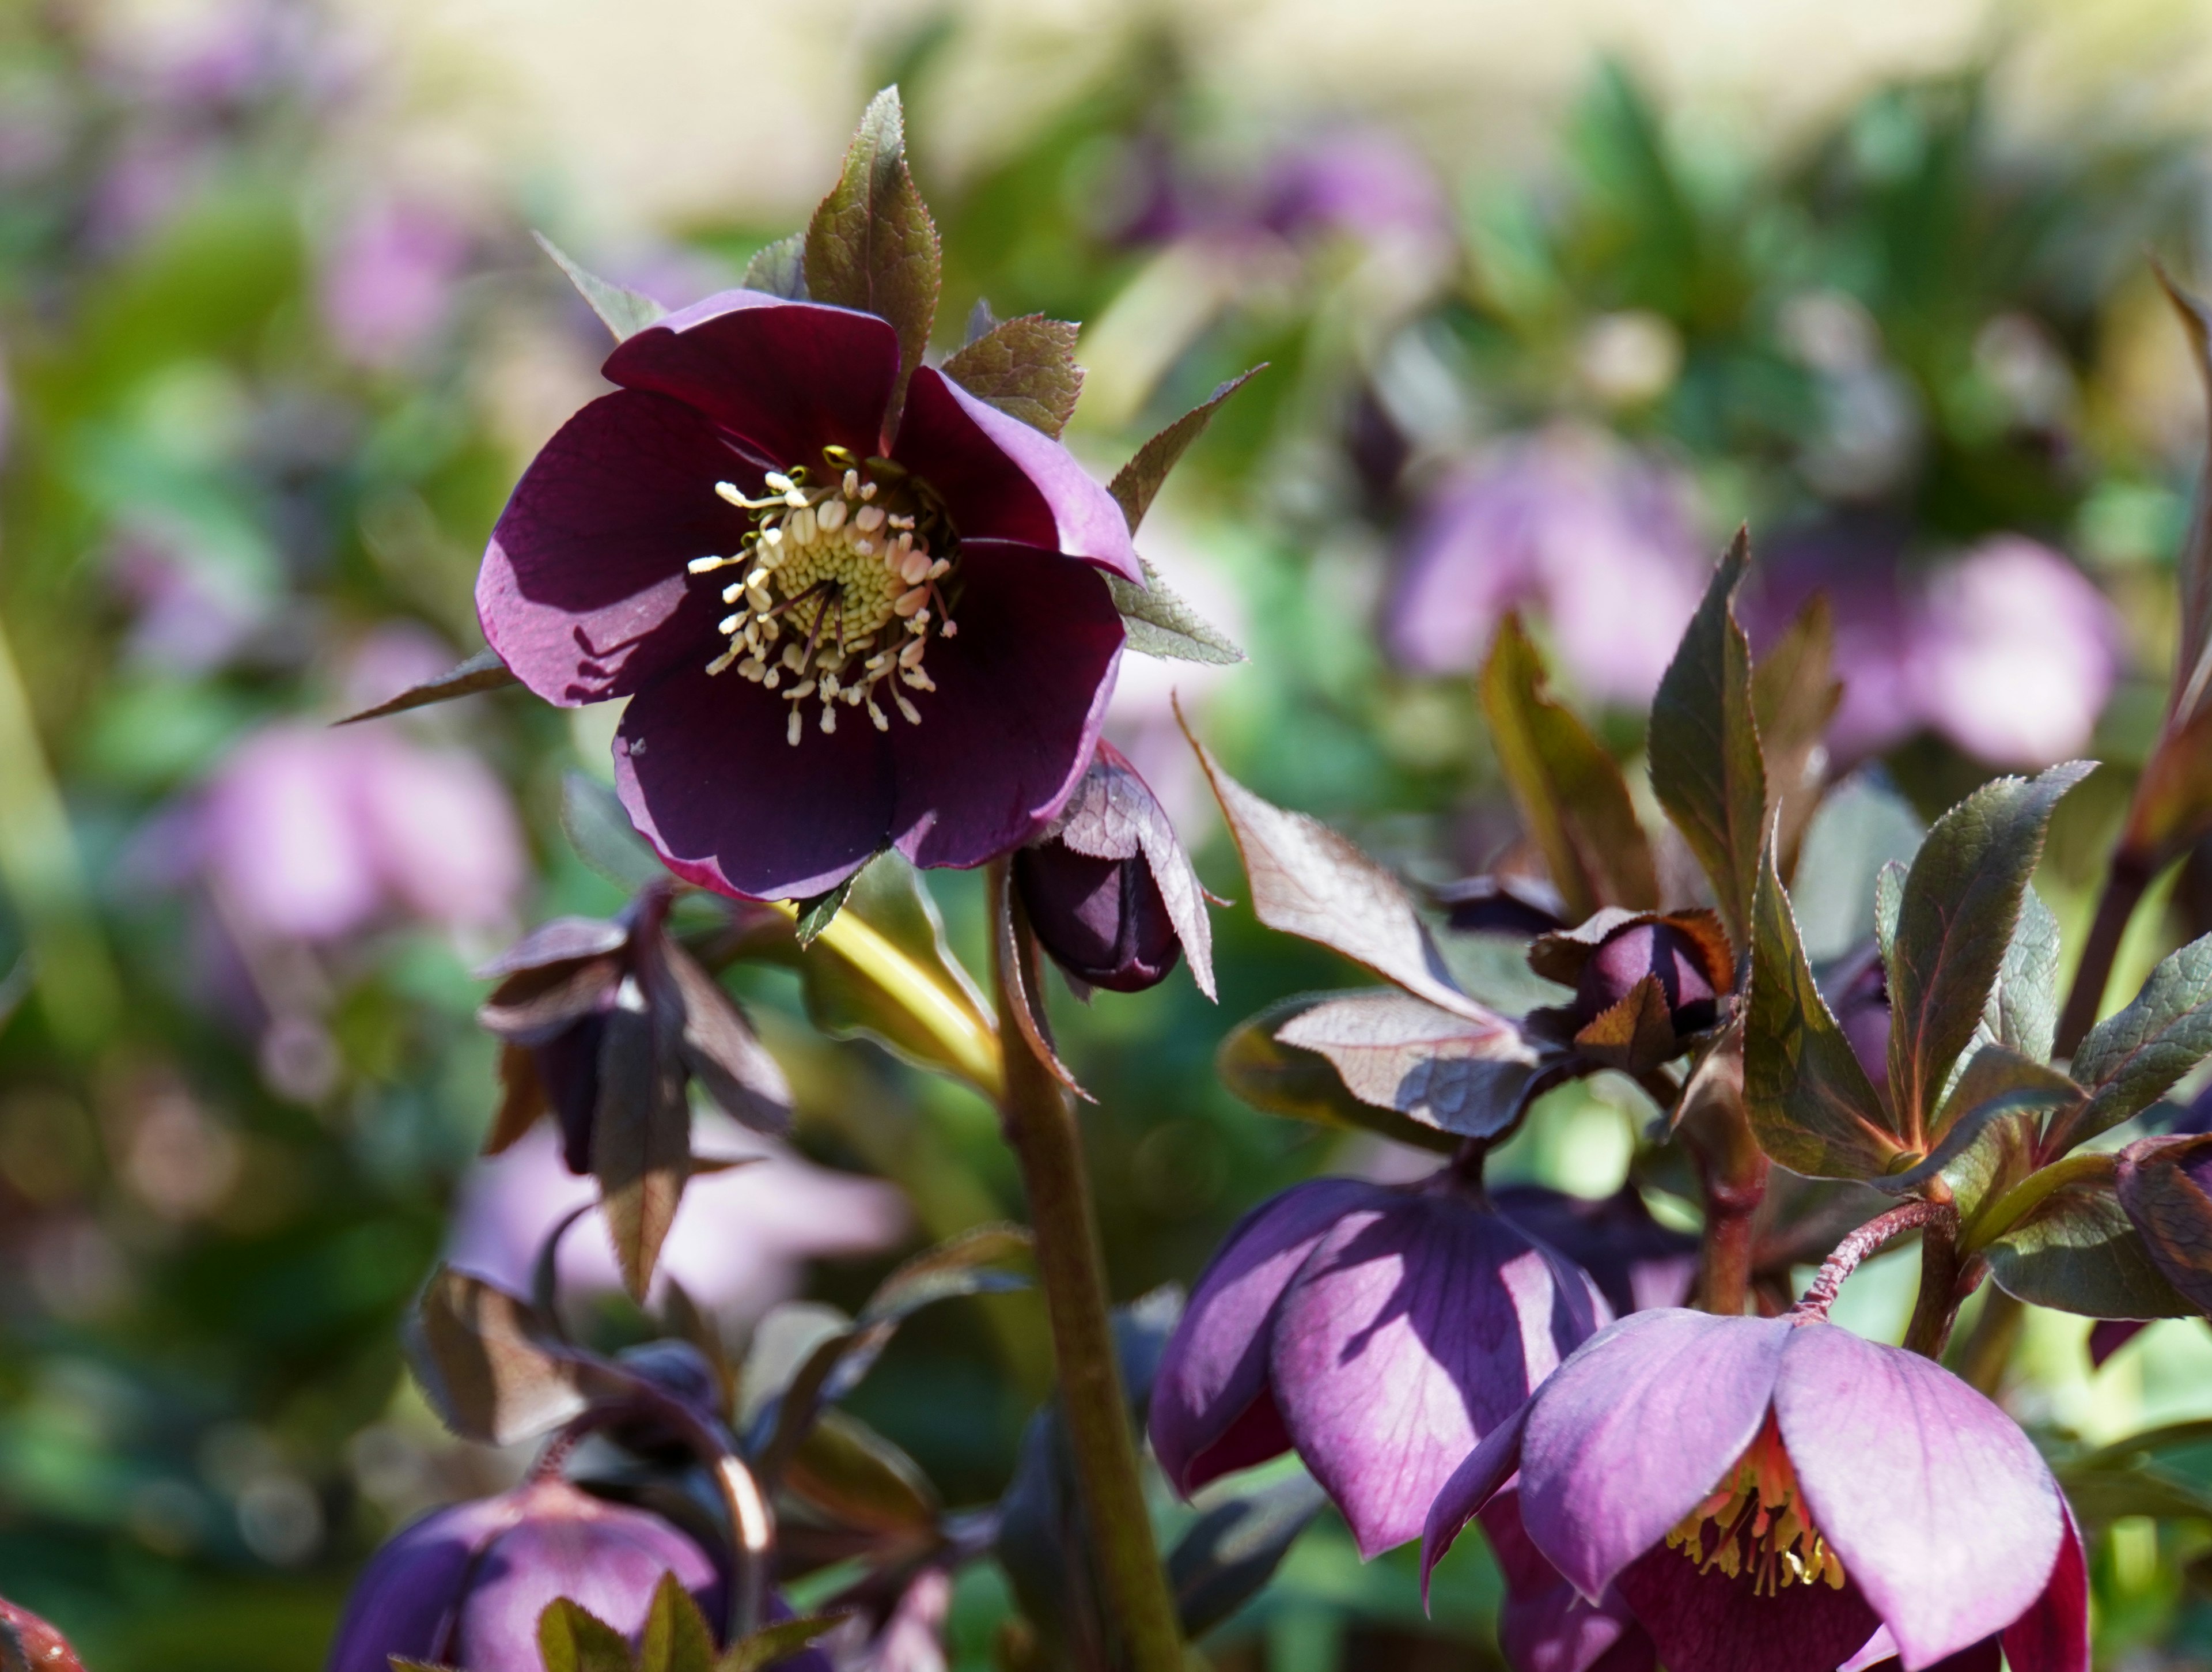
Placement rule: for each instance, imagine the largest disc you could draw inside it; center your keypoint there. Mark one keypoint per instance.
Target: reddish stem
(1883, 1228)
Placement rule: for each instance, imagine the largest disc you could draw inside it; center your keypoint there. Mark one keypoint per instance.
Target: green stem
(2125, 884)
(2010, 1208)
(1039, 1123)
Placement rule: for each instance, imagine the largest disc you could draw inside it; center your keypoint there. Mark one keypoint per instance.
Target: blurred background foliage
(1549, 304)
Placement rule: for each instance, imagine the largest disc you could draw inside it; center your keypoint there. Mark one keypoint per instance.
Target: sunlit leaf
(1305, 1085)
(2131, 1059)
(1026, 367)
(1439, 1068)
(623, 310)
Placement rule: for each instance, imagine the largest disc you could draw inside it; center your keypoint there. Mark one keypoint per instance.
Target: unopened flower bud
(1656, 948)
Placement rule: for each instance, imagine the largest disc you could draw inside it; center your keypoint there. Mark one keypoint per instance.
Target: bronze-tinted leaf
(778, 1642)
(1570, 793)
(2132, 1058)
(861, 1480)
(481, 672)
(1439, 1068)
(1137, 483)
(1026, 367)
(490, 1366)
(2162, 1186)
(1794, 694)
(521, 1100)
(640, 1137)
(2077, 1251)
(1633, 1035)
(1961, 901)
(871, 245)
(1705, 745)
(1283, 1079)
(724, 1055)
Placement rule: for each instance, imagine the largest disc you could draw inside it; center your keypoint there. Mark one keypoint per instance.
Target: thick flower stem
(2123, 890)
(1039, 1123)
(1820, 1294)
(1937, 1304)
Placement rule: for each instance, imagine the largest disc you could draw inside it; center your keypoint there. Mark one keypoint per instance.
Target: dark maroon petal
(1006, 736)
(1941, 1509)
(1632, 1432)
(1470, 1488)
(705, 766)
(2053, 1635)
(584, 591)
(1000, 480)
(408, 1598)
(2108, 1336)
(1983, 1656)
(1544, 1625)
(1707, 1622)
(1411, 1333)
(1214, 1372)
(790, 378)
(1103, 920)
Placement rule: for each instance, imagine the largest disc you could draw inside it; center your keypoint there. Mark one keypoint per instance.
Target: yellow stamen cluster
(841, 593)
(1758, 1524)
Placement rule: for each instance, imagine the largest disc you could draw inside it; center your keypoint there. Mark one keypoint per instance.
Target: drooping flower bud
(464, 1585)
(1657, 949)
(28, 1644)
(1645, 985)
(1109, 890)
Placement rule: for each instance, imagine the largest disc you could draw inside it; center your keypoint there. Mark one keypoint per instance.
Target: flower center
(842, 592)
(1759, 1524)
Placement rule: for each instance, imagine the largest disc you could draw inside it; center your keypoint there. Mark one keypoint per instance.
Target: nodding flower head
(1779, 1495)
(1646, 985)
(839, 632)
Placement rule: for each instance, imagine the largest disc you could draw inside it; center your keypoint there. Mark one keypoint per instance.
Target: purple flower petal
(1544, 1625)
(1470, 1488)
(1635, 1430)
(1707, 1622)
(583, 591)
(406, 1599)
(2053, 1635)
(790, 378)
(1213, 1373)
(705, 767)
(1020, 695)
(1001, 480)
(1410, 1334)
(1941, 1509)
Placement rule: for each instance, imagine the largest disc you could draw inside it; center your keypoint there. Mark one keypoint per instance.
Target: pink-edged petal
(1000, 480)
(583, 591)
(1941, 1509)
(1470, 1488)
(790, 378)
(1407, 1336)
(2053, 1635)
(705, 767)
(1707, 1622)
(1021, 692)
(1207, 1415)
(1632, 1432)
(1544, 1625)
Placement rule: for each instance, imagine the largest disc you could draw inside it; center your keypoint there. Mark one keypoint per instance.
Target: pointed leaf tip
(623, 310)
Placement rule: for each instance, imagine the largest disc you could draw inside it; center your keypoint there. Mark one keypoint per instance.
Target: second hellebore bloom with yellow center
(840, 630)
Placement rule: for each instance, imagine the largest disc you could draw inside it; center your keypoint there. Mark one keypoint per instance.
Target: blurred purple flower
(388, 277)
(1363, 182)
(1857, 989)
(738, 1241)
(2008, 650)
(309, 833)
(464, 1585)
(711, 541)
(1378, 1331)
(188, 617)
(1764, 1494)
(1601, 540)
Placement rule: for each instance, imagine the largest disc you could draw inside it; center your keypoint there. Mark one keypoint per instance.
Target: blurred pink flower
(388, 277)
(1364, 182)
(738, 1242)
(310, 833)
(1598, 540)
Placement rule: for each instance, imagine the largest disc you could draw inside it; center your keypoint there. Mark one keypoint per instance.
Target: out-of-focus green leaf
(1961, 903)
(780, 268)
(2076, 1251)
(592, 819)
(2102, 1490)
(1285, 1080)
(871, 245)
(845, 1468)
(1137, 483)
(778, 1642)
(624, 312)
(572, 1639)
(1570, 793)
(1705, 745)
(2131, 1059)
(1811, 1105)
(1863, 824)
(481, 672)
(1234, 1548)
(1026, 367)
(678, 1637)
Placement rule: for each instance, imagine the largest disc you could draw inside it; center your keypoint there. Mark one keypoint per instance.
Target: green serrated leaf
(871, 245)
(2023, 1013)
(1794, 694)
(571, 1639)
(780, 268)
(1159, 624)
(1570, 793)
(678, 1637)
(1888, 901)
(1026, 367)
(2076, 1251)
(2131, 1059)
(1137, 483)
(622, 311)
(816, 915)
(1811, 1105)
(1705, 747)
(1961, 903)
(481, 672)
(778, 1641)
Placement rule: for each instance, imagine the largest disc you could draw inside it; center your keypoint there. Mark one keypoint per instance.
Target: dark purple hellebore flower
(1636, 1262)
(1767, 1495)
(464, 1585)
(1109, 890)
(1377, 1330)
(834, 640)
(579, 991)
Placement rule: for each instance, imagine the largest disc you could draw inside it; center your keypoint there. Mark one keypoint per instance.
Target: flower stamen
(1759, 1524)
(859, 551)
